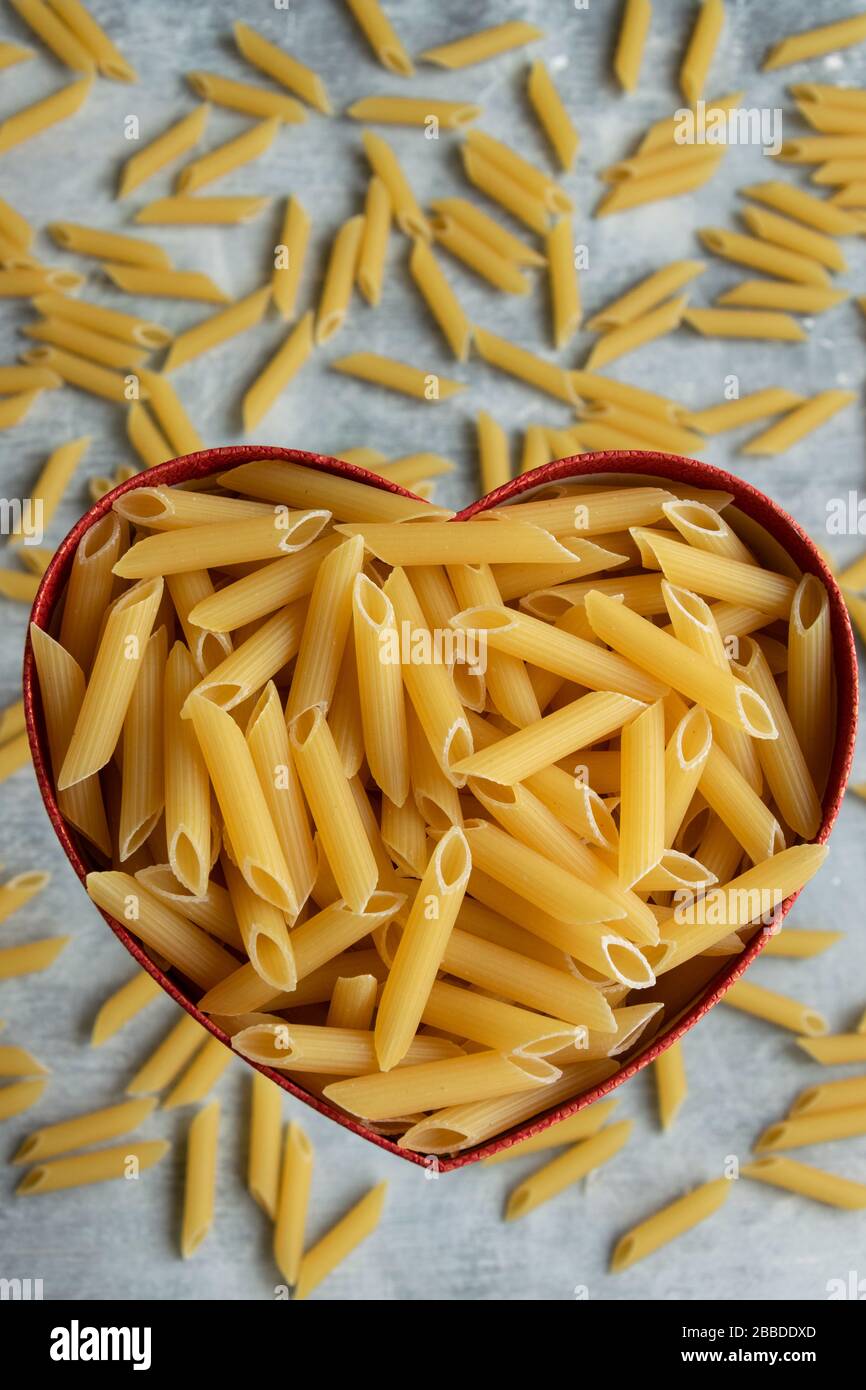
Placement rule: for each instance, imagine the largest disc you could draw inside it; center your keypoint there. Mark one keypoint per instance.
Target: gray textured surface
(441, 1239)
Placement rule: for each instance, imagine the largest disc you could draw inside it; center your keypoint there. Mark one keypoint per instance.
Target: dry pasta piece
(306, 1047)
(17, 1061)
(170, 414)
(761, 255)
(252, 144)
(805, 207)
(642, 808)
(536, 448)
(30, 281)
(112, 246)
(744, 323)
(775, 294)
(669, 1223)
(564, 287)
(200, 1077)
(146, 438)
(245, 97)
(292, 1201)
(294, 485)
(64, 334)
(32, 120)
(628, 57)
(397, 376)
(290, 254)
(62, 685)
(202, 211)
(103, 1165)
(782, 231)
(28, 959)
(701, 48)
(91, 584)
(815, 42)
(15, 228)
(686, 174)
(820, 1128)
(776, 1008)
(109, 60)
(122, 1006)
(774, 400)
(15, 408)
(810, 699)
(263, 1163)
(408, 215)
(83, 1130)
(169, 1058)
(800, 944)
(583, 1125)
(18, 1096)
(568, 1168)
(419, 954)
(166, 284)
(381, 36)
(497, 183)
(552, 115)
(831, 1095)
(806, 1181)
(454, 213)
(440, 299)
(143, 791)
(56, 36)
(381, 690)
(164, 930)
(218, 328)
(282, 67)
(200, 1181)
(87, 376)
(799, 422)
(27, 379)
(339, 278)
(647, 429)
(12, 720)
(12, 53)
(110, 322)
(282, 367)
(671, 1083)
(54, 479)
(526, 366)
(374, 240)
(646, 329)
(493, 456)
(717, 575)
(173, 142)
(646, 295)
(453, 1080)
(837, 1049)
(485, 44)
(388, 110)
(531, 179)
(187, 789)
(23, 587)
(339, 1242)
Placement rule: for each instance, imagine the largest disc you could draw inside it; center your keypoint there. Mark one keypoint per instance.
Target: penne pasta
(646, 329)
(200, 1183)
(552, 114)
(293, 1195)
(200, 1077)
(169, 1058)
(84, 1130)
(381, 690)
(453, 215)
(110, 246)
(568, 1168)
(642, 806)
(810, 698)
(397, 376)
(440, 299)
(646, 295)
(452, 1081)
(339, 1242)
(18, 1096)
(218, 328)
(628, 56)
(165, 284)
(761, 255)
(701, 48)
(143, 788)
(164, 930)
(481, 46)
(669, 1223)
(174, 142)
(384, 163)
(282, 67)
(109, 61)
(245, 97)
(813, 1129)
(32, 120)
(807, 1182)
(744, 323)
(716, 419)
(775, 1008)
(263, 1163)
(103, 1165)
(122, 1006)
(422, 111)
(289, 257)
(206, 212)
(564, 288)
(280, 370)
(109, 322)
(799, 422)
(782, 294)
(815, 42)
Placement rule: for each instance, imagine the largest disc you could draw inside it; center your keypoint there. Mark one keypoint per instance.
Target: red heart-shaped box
(708, 982)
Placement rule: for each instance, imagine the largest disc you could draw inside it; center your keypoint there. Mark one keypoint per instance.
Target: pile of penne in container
(442, 820)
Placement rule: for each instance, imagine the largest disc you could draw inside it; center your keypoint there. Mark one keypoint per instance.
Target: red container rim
(748, 499)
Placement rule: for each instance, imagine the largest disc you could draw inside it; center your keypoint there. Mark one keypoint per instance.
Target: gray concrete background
(442, 1239)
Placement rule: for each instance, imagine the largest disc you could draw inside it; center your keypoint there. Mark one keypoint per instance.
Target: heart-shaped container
(705, 984)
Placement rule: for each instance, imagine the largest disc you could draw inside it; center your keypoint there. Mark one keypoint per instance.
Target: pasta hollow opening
(454, 862)
(189, 866)
(810, 601)
(271, 961)
(755, 717)
(627, 964)
(694, 739)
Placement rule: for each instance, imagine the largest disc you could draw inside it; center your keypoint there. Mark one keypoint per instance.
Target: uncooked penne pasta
(810, 700)
(642, 807)
(782, 294)
(286, 362)
(18, 1096)
(499, 184)
(84, 1130)
(744, 323)
(819, 1128)
(494, 464)
(200, 1077)
(799, 422)
(516, 361)
(654, 324)
(175, 937)
(806, 1181)
(90, 587)
(173, 142)
(32, 120)
(339, 279)
(17, 1061)
(552, 115)
(282, 67)
(762, 255)
(669, 1223)
(397, 376)
(583, 1125)
(688, 172)
(339, 1242)
(109, 61)
(440, 299)
(109, 246)
(200, 1182)
(423, 111)
(87, 376)
(64, 334)
(246, 97)
(293, 1196)
(263, 1163)
(813, 43)
(289, 256)
(218, 328)
(701, 48)
(187, 788)
(782, 231)
(774, 400)
(381, 690)
(454, 1080)
(143, 788)
(832, 1095)
(570, 1167)
(122, 1006)
(646, 295)
(206, 212)
(458, 213)
(630, 42)
(485, 44)
(165, 284)
(126, 1161)
(564, 288)
(407, 214)
(775, 1008)
(110, 322)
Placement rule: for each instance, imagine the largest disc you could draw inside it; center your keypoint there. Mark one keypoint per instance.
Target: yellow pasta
(671, 1084)
(27, 379)
(109, 322)
(17, 1061)
(775, 1008)
(782, 231)
(90, 587)
(53, 480)
(646, 329)
(12, 53)
(584, 1125)
(263, 1164)
(32, 120)
(374, 240)
(419, 954)
(282, 67)
(775, 294)
(774, 400)
(289, 257)
(122, 1006)
(398, 376)
(669, 1223)
(761, 255)
(422, 111)
(800, 944)
(528, 177)
(499, 184)
(175, 937)
(646, 295)
(688, 172)
(792, 1176)
(166, 284)
(441, 299)
(485, 44)
(744, 323)
(381, 690)
(453, 215)
(225, 158)
(799, 422)
(187, 789)
(552, 115)
(570, 1167)
(836, 1050)
(701, 48)
(292, 485)
(718, 575)
(109, 61)
(169, 1058)
(87, 376)
(819, 1128)
(84, 1130)
(630, 42)
(18, 1095)
(103, 1165)
(173, 143)
(451, 1081)
(245, 97)
(273, 379)
(339, 1242)
(15, 408)
(810, 700)
(832, 1095)
(517, 361)
(642, 809)
(64, 334)
(408, 215)
(200, 1077)
(815, 42)
(200, 1183)
(493, 459)
(564, 288)
(339, 278)
(34, 280)
(218, 328)
(143, 796)
(292, 1201)
(180, 211)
